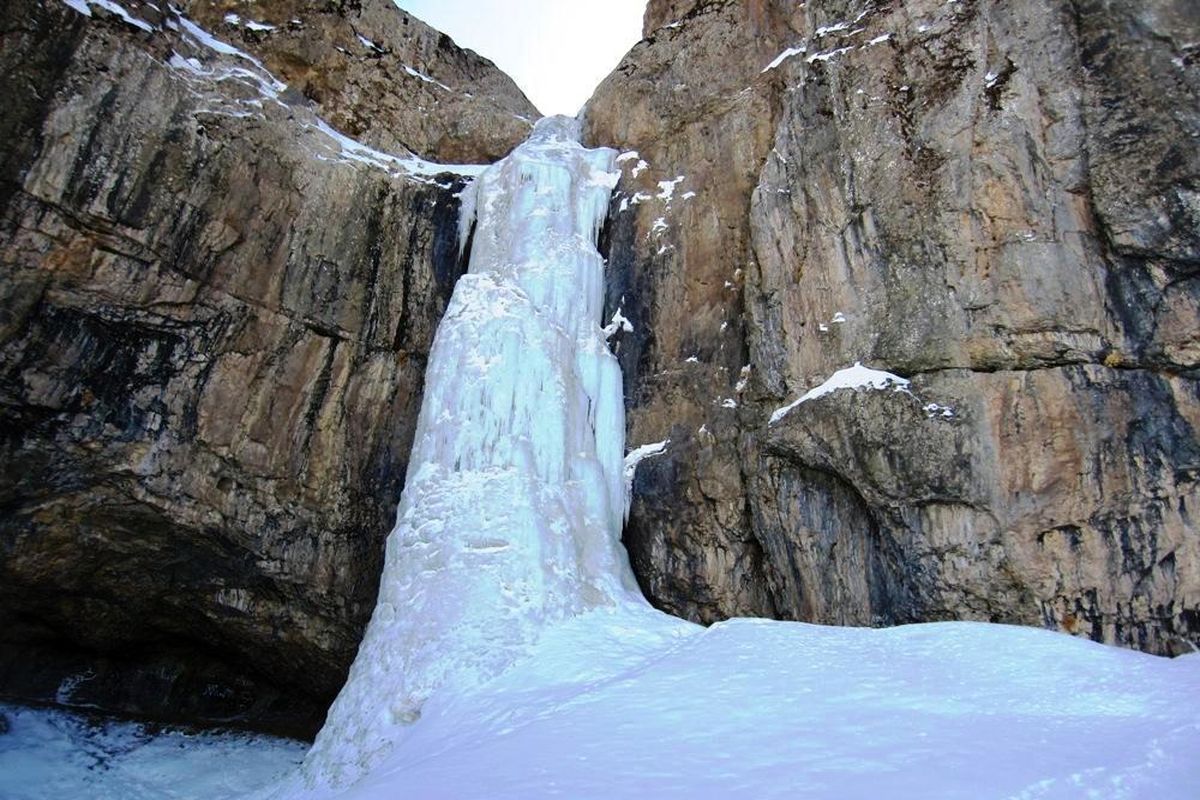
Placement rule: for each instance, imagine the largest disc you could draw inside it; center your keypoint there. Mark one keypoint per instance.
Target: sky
(557, 51)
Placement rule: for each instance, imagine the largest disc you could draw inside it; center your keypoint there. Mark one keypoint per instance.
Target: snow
(234, 19)
(348, 149)
(666, 189)
(825, 30)
(855, 377)
(215, 62)
(636, 456)
(743, 379)
(626, 702)
(341, 147)
(84, 7)
(618, 323)
(936, 410)
(829, 54)
(422, 76)
(784, 56)
(261, 83)
(54, 755)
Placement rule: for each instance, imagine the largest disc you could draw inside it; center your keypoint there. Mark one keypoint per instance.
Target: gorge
(221, 287)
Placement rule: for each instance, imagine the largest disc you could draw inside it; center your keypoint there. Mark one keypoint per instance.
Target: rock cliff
(996, 201)
(215, 314)
(224, 248)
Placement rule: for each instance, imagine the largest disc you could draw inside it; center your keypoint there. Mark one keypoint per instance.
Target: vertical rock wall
(995, 200)
(215, 319)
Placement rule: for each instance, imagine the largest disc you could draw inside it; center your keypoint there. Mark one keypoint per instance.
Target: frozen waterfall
(511, 514)
(511, 656)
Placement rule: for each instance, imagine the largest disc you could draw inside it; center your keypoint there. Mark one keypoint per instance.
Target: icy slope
(512, 509)
(628, 704)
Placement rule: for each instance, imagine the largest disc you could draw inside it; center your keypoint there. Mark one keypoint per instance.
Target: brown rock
(993, 199)
(380, 75)
(214, 324)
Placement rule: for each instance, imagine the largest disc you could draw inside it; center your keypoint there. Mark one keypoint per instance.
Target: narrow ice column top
(540, 209)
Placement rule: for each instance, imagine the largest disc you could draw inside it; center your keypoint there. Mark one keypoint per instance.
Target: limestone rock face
(214, 318)
(996, 200)
(379, 74)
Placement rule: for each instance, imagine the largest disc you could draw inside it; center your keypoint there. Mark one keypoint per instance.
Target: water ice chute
(512, 509)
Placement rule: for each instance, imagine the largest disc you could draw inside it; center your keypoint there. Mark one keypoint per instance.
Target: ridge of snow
(784, 56)
(855, 377)
(423, 77)
(825, 30)
(827, 55)
(84, 7)
(636, 456)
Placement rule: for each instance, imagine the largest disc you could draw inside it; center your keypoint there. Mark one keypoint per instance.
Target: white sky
(557, 51)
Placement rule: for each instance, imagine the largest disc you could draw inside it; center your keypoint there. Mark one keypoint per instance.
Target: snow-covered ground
(54, 755)
(635, 704)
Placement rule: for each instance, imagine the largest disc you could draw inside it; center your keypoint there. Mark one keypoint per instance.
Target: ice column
(511, 515)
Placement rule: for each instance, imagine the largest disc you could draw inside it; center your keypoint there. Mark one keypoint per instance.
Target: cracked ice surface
(512, 509)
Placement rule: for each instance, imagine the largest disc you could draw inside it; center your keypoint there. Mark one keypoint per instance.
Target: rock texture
(379, 74)
(997, 200)
(214, 317)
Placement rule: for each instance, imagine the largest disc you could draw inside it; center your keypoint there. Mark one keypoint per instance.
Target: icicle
(466, 215)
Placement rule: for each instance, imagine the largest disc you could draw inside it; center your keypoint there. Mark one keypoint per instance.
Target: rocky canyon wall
(994, 200)
(214, 321)
(222, 261)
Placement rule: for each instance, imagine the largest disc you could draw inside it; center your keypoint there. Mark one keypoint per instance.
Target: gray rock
(992, 199)
(214, 328)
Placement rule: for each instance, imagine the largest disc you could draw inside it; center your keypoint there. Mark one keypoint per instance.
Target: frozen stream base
(55, 755)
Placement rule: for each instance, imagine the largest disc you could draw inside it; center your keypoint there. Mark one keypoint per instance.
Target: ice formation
(512, 509)
(48, 754)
